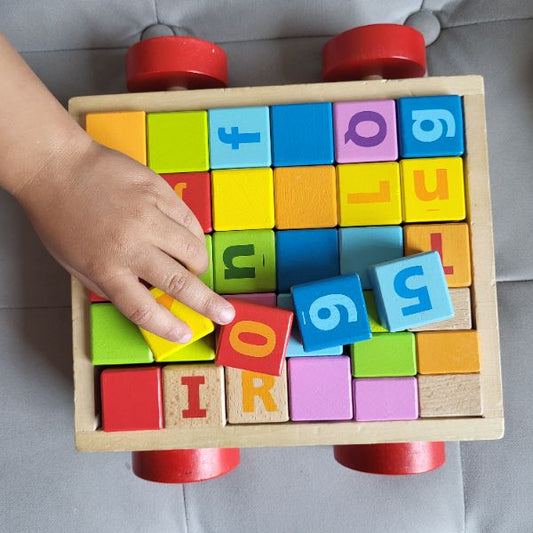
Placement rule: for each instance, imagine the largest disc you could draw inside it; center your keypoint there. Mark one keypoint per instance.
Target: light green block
(201, 350)
(244, 261)
(208, 277)
(384, 355)
(177, 142)
(114, 339)
(373, 317)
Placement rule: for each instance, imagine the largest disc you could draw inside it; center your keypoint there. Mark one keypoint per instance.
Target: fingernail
(185, 338)
(226, 315)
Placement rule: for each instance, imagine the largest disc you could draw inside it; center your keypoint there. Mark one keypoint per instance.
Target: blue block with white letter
(431, 126)
(239, 137)
(411, 291)
(331, 312)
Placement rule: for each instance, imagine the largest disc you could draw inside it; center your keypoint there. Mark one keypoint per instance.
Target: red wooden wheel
(161, 63)
(389, 51)
(185, 466)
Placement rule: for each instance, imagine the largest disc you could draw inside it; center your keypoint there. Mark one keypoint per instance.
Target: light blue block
(295, 347)
(239, 137)
(431, 126)
(411, 291)
(363, 247)
(331, 312)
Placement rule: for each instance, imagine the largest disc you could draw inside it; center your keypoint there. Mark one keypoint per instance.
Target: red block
(194, 189)
(131, 399)
(257, 338)
(94, 298)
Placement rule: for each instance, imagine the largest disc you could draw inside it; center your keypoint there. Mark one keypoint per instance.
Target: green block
(177, 142)
(384, 355)
(114, 339)
(373, 317)
(208, 277)
(244, 261)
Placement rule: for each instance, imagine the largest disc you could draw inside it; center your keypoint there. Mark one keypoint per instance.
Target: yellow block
(122, 131)
(243, 199)
(369, 194)
(201, 350)
(433, 189)
(165, 350)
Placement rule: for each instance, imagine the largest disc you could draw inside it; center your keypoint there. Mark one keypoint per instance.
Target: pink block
(365, 131)
(385, 399)
(320, 388)
(261, 298)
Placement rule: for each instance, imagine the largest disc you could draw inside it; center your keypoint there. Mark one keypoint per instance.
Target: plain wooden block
(194, 395)
(450, 395)
(256, 398)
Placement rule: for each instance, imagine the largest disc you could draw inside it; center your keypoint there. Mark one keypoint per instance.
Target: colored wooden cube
(331, 312)
(411, 291)
(431, 126)
(260, 298)
(256, 339)
(194, 395)
(94, 298)
(114, 339)
(200, 350)
(306, 255)
(256, 398)
(452, 241)
(123, 131)
(433, 189)
(361, 248)
(365, 131)
(385, 355)
(369, 194)
(177, 142)
(208, 276)
(385, 399)
(372, 311)
(305, 197)
(194, 188)
(244, 261)
(243, 199)
(131, 399)
(302, 134)
(239, 137)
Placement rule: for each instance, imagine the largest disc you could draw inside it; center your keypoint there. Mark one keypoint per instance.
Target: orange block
(447, 352)
(451, 241)
(305, 197)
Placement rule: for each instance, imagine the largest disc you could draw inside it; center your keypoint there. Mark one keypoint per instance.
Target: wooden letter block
(255, 398)
(257, 338)
(450, 395)
(373, 316)
(447, 352)
(194, 395)
(305, 197)
(369, 194)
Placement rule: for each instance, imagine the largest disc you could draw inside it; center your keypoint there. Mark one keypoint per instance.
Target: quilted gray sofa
(78, 48)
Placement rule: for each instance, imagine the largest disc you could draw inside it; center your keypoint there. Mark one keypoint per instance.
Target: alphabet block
(369, 194)
(131, 399)
(255, 398)
(306, 255)
(201, 350)
(305, 197)
(331, 312)
(256, 340)
(431, 126)
(302, 134)
(411, 291)
(373, 317)
(243, 199)
(320, 388)
(194, 395)
(365, 131)
(239, 137)
(433, 189)
(261, 298)
(177, 142)
(208, 276)
(244, 261)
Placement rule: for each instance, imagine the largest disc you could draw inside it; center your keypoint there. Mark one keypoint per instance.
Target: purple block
(385, 399)
(320, 388)
(365, 131)
(261, 298)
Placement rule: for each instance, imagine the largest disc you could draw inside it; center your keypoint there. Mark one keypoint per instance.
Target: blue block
(302, 134)
(331, 312)
(363, 247)
(305, 255)
(411, 291)
(239, 137)
(295, 347)
(431, 126)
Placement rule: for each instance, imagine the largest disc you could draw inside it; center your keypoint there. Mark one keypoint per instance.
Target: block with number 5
(331, 312)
